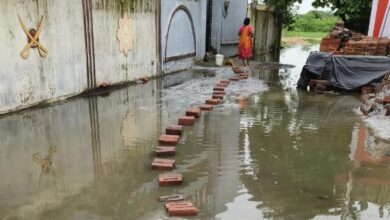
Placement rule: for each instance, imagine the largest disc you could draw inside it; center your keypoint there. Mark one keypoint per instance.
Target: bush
(314, 21)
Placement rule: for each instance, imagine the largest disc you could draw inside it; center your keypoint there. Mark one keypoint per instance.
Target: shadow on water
(269, 152)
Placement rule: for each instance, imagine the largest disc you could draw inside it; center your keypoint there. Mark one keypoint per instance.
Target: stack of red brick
(329, 44)
(372, 101)
(366, 46)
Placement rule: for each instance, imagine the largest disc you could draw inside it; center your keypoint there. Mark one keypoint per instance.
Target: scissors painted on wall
(33, 40)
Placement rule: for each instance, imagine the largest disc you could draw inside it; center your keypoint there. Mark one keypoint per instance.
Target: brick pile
(376, 100)
(367, 46)
(329, 44)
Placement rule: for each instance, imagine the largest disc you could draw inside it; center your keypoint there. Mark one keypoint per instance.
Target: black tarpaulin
(344, 72)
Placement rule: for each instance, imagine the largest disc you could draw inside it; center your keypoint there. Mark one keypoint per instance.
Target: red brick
(170, 205)
(163, 164)
(219, 92)
(368, 89)
(213, 101)
(183, 211)
(234, 79)
(181, 208)
(187, 120)
(169, 139)
(219, 88)
(221, 85)
(206, 107)
(217, 96)
(170, 179)
(193, 112)
(174, 130)
(224, 81)
(386, 100)
(167, 151)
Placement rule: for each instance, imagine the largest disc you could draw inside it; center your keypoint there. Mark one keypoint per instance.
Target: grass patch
(311, 35)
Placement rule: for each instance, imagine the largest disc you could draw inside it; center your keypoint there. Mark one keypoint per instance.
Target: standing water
(277, 153)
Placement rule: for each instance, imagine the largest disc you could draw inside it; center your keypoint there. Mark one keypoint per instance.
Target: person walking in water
(245, 46)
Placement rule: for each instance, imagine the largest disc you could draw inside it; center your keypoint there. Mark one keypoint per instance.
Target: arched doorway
(180, 38)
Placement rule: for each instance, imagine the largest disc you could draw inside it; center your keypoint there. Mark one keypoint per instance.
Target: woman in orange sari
(245, 46)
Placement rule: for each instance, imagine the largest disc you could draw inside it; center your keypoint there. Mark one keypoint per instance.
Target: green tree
(355, 13)
(285, 12)
(314, 21)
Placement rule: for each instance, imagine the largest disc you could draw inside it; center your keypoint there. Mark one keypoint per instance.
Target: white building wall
(112, 66)
(26, 82)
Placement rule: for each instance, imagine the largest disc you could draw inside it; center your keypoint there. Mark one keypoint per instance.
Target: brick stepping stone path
(165, 151)
(213, 101)
(219, 88)
(174, 130)
(187, 120)
(216, 96)
(206, 107)
(193, 112)
(234, 79)
(163, 164)
(224, 85)
(170, 179)
(169, 139)
(181, 208)
(219, 92)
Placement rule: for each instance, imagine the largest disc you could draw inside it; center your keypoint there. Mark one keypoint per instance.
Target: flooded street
(279, 154)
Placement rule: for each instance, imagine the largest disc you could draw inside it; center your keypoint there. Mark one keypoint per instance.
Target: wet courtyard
(269, 152)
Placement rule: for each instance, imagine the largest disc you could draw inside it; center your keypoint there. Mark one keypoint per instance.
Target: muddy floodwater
(269, 152)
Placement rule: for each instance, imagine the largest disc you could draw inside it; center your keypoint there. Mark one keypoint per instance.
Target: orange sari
(245, 46)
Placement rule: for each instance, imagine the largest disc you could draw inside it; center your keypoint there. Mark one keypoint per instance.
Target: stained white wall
(63, 73)
(112, 66)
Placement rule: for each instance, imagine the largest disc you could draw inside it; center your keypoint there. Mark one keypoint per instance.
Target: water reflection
(48, 175)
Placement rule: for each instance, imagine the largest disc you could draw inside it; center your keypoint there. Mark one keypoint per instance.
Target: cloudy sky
(306, 6)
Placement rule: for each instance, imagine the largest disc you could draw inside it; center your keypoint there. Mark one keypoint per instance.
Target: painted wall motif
(111, 65)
